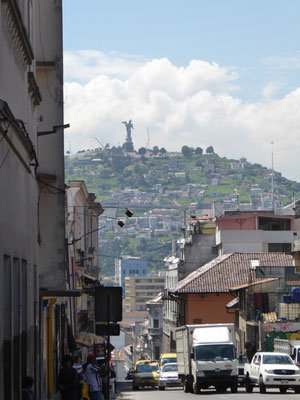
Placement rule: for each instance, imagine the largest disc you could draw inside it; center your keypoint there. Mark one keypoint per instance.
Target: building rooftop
(230, 271)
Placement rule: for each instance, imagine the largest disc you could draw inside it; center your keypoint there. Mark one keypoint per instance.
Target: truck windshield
(216, 352)
(277, 359)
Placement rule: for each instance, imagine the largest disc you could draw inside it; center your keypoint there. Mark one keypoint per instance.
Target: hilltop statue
(128, 145)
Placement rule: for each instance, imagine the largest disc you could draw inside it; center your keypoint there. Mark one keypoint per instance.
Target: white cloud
(84, 65)
(191, 105)
(279, 63)
(269, 90)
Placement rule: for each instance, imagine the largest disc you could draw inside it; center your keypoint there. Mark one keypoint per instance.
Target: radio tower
(148, 140)
(272, 143)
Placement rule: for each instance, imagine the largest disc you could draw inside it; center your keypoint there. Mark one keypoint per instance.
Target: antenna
(148, 140)
(70, 149)
(99, 142)
(272, 143)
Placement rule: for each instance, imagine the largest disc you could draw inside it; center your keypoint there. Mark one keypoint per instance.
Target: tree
(143, 159)
(155, 150)
(142, 151)
(163, 150)
(186, 151)
(210, 150)
(199, 150)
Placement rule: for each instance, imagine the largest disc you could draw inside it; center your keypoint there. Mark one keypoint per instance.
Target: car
(146, 374)
(169, 376)
(272, 370)
(242, 360)
(167, 358)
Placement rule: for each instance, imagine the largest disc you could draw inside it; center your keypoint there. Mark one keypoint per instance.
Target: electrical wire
(6, 155)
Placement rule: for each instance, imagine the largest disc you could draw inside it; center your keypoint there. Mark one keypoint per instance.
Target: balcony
(155, 331)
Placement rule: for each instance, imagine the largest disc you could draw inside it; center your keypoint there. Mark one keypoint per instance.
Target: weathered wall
(198, 253)
(210, 308)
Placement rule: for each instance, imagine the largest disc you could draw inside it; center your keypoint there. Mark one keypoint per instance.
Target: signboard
(292, 278)
(108, 304)
(270, 271)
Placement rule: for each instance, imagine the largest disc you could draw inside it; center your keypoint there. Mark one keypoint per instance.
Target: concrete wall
(250, 241)
(196, 254)
(209, 308)
(19, 264)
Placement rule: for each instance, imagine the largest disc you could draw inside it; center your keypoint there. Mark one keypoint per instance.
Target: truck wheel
(221, 389)
(283, 389)
(234, 389)
(297, 389)
(161, 388)
(248, 386)
(262, 386)
(186, 386)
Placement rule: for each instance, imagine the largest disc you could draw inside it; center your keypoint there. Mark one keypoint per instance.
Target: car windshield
(169, 367)
(216, 352)
(168, 360)
(147, 367)
(277, 359)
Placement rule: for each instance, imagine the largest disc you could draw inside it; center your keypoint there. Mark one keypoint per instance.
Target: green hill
(168, 180)
(110, 170)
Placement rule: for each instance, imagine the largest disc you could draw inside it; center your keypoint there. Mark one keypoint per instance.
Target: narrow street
(126, 393)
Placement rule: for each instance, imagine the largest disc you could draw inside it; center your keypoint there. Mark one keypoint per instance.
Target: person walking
(68, 380)
(93, 378)
(27, 384)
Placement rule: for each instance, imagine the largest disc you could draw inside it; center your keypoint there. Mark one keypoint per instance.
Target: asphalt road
(126, 393)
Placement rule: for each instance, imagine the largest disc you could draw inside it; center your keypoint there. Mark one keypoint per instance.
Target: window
(155, 323)
(274, 224)
(279, 247)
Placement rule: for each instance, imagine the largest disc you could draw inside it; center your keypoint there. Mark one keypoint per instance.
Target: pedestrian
(93, 378)
(68, 380)
(78, 366)
(27, 393)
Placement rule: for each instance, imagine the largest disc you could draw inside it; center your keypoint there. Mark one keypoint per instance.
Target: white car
(274, 370)
(168, 376)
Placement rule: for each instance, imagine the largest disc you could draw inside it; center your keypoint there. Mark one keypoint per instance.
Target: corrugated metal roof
(228, 271)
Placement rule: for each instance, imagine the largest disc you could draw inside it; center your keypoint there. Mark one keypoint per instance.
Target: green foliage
(186, 151)
(210, 150)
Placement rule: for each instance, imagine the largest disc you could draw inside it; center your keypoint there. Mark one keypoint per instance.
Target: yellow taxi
(146, 374)
(166, 358)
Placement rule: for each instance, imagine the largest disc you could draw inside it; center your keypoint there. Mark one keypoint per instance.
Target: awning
(60, 292)
(233, 303)
(88, 339)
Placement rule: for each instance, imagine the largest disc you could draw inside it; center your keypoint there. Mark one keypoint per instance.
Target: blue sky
(256, 41)
(236, 33)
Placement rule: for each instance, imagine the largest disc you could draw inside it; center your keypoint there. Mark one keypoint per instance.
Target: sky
(224, 73)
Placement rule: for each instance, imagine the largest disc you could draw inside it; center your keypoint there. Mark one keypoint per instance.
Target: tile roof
(229, 271)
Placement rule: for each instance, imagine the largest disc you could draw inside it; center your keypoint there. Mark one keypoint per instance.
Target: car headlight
(297, 371)
(200, 372)
(269, 371)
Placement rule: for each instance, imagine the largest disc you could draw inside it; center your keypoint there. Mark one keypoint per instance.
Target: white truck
(290, 347)
(274, 370)
(206, 356)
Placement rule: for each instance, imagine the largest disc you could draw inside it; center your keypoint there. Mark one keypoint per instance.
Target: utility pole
(273, 208)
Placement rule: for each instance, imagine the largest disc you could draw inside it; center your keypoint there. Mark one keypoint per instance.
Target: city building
(83, 251)
(129, 266)
(255, 232)
(155, 326)
(33, 309)
(141, 289)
